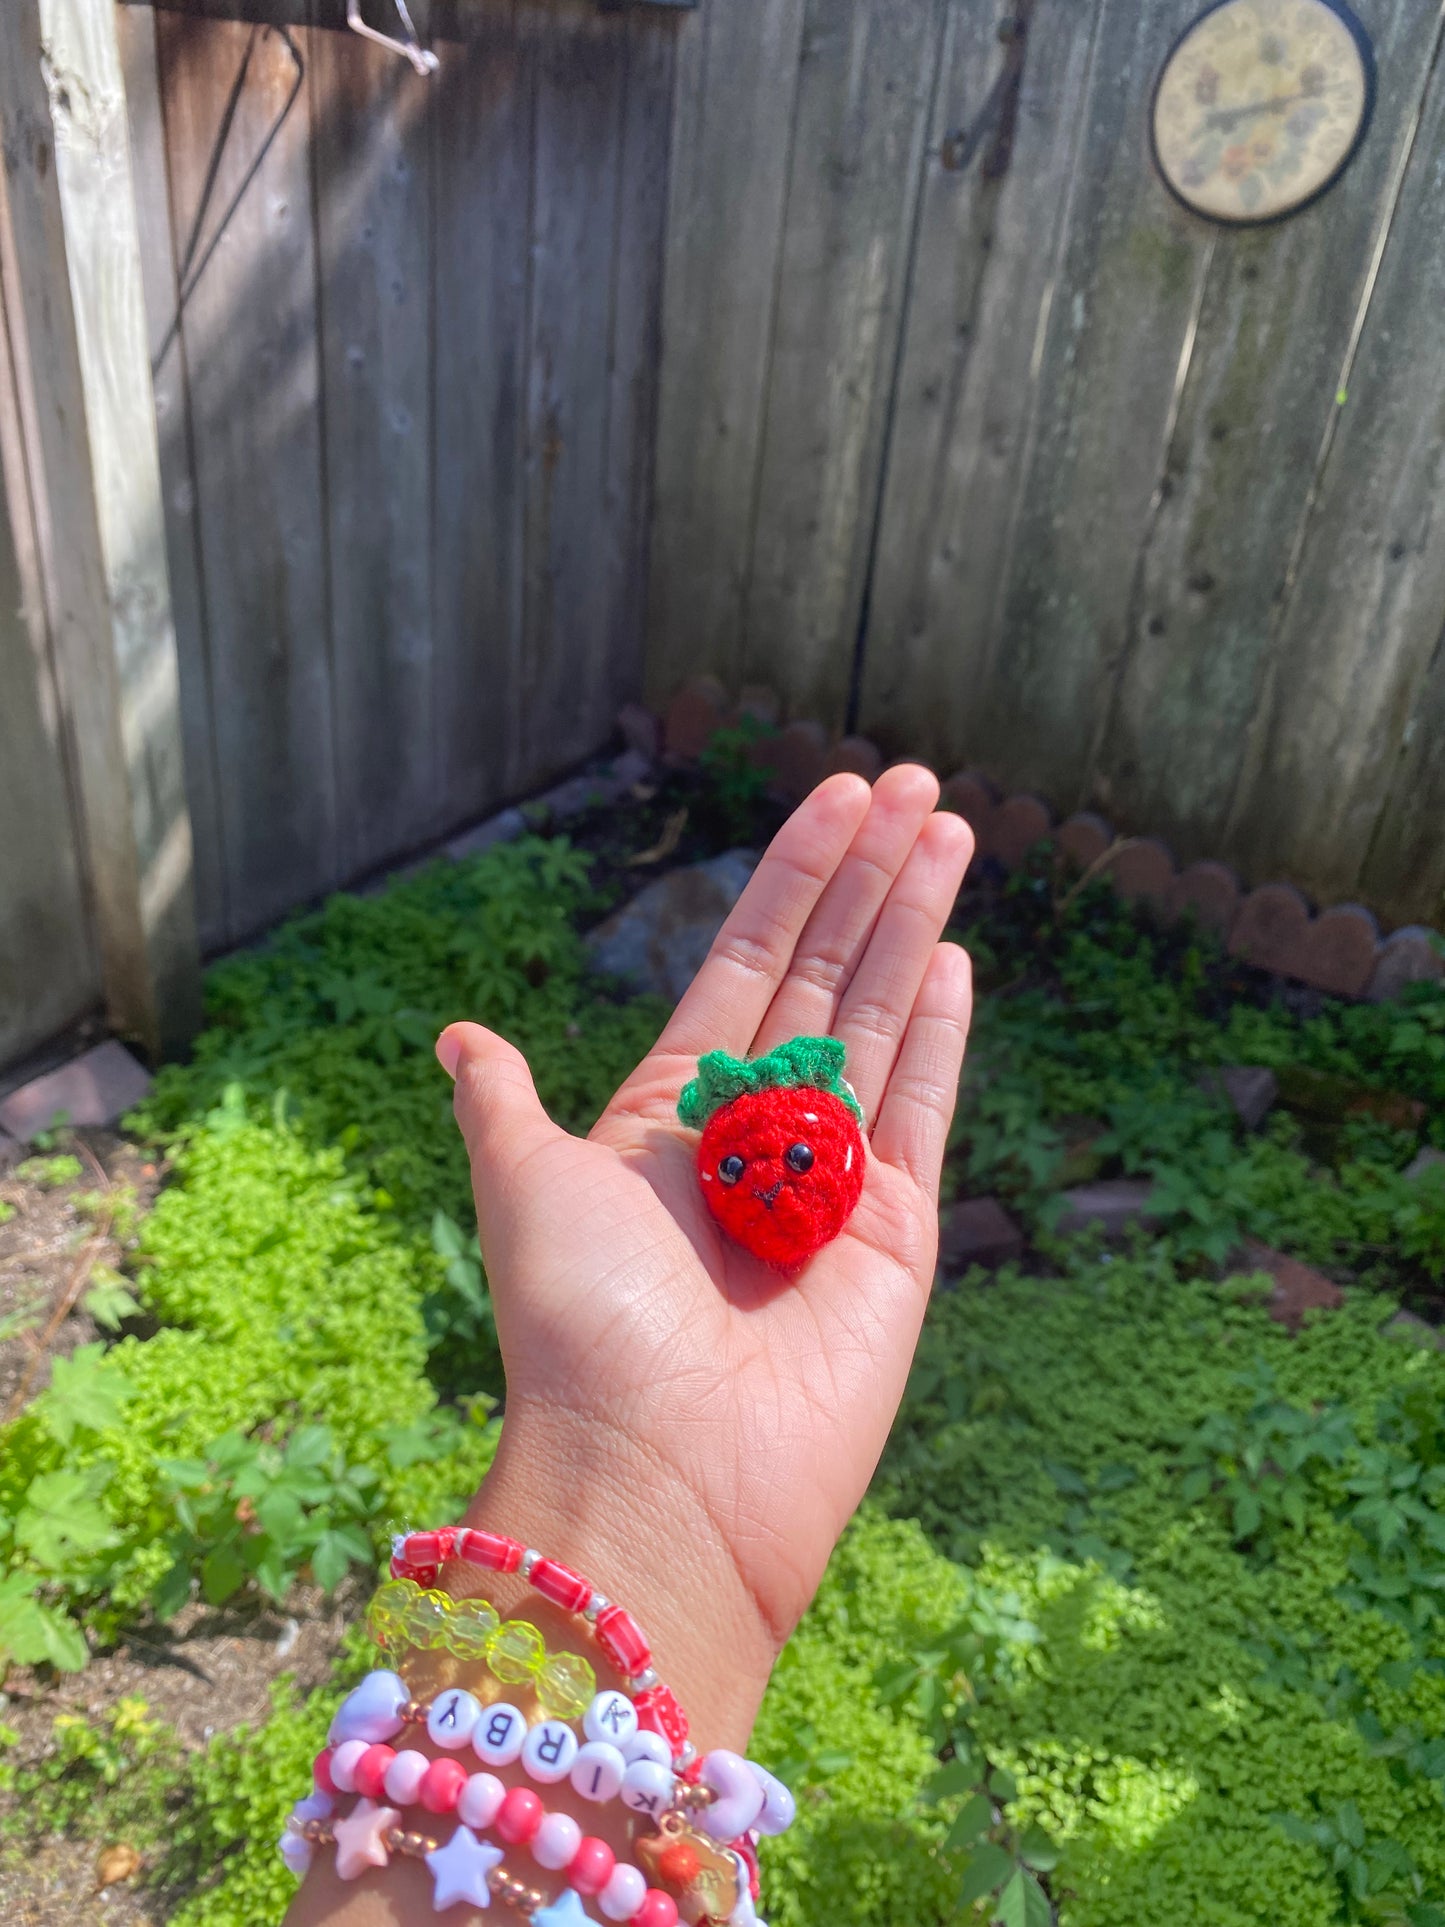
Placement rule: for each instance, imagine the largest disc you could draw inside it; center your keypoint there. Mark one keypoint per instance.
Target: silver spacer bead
(687, 1755)
(640, 1682)
(598, 1603)
(528, 1560)
(398, 1540)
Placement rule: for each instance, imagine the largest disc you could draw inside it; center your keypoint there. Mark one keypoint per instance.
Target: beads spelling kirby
(781, 1157)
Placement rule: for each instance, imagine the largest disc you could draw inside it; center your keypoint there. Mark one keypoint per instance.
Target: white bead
(453, 1719)
(647, 1746)
(498, 1735)
(647, 1788)
(779, 1808)
(343, 1764)
(597, 1771)
(404, 1776)
(611, 1716)
(548, 1751)
(624, 1892)
(556, 1841)
(641, 1681)
(739, 1795)
(481, 1801)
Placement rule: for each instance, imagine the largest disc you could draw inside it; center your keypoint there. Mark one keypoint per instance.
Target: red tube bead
(621, 1638)
(561, 1585)
(422, 1549)
(321, 1771)
(659, 1712)
(404, 1569)
(590, 1868)
(441, 1785)
(657, 1910)
(519, 1816)
(490, 1549)
(369, 1772)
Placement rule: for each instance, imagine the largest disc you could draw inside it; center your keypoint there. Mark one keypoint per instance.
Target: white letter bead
(556, 1841)
(624, 1892)
(453, 1719)
(647, 1746)
(404, 1777)
(343, 1764)
(647, 1788)
(597, 1771)
(498, 1735)
(481, 1801)
(611, 1716)
(548, 1751)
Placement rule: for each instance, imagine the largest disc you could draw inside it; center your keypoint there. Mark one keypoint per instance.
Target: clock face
(1260, 105)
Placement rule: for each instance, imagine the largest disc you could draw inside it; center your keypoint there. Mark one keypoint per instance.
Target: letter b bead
(498, 1735)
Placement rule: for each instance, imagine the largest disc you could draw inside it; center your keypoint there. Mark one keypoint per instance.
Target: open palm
(654, 1355)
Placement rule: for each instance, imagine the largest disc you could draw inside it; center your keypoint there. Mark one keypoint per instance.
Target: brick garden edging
(1338, 950)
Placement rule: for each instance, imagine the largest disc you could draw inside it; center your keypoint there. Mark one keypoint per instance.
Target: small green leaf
(972, 1821)
(223, 1573)
(1037, 1850)
(956, 1776)
(988, 1867)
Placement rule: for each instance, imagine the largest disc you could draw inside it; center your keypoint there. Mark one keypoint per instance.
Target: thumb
(497, 1107)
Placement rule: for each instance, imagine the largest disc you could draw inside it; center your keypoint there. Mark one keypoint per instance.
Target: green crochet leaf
(812, 1062)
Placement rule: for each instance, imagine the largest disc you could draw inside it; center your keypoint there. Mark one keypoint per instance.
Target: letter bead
(611, 1716)
(548, 1751)
(453, 1719)
(498, 1735)
(597, 1771)
(647, 1746)
(647, 1788)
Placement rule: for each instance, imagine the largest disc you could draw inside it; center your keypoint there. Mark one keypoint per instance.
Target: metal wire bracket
(422, 58)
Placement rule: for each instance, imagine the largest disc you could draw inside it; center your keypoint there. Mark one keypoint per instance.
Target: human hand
(689, 1427)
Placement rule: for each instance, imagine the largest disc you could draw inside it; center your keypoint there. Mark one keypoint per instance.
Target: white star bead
(460, 1870)
(565, 1911)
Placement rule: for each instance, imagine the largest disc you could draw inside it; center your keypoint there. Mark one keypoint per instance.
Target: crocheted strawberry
(781, 1158)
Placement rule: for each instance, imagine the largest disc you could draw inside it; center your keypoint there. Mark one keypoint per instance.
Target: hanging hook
(422, 58)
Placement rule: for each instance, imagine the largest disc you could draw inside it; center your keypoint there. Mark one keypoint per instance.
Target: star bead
(565, 1911)
(460, 1869)
(359, 1842)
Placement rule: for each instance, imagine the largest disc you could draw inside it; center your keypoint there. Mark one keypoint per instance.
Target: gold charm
(705, 1879)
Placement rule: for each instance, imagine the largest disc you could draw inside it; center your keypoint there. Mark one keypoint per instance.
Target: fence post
(71, 280)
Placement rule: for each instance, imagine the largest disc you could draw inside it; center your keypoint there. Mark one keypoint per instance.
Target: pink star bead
(359, 1842)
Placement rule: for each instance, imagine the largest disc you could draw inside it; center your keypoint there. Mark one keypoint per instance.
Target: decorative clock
(1260, 105)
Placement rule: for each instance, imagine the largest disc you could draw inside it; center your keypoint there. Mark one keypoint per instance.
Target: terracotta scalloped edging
(1338, 950)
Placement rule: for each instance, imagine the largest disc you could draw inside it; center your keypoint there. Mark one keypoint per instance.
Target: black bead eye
(799, 1157)
(731, 1168)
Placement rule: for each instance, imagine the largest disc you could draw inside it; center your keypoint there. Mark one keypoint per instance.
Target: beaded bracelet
(419, 1556)
(403, 1614)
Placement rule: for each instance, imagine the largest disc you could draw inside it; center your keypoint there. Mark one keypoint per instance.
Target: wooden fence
(848, 345)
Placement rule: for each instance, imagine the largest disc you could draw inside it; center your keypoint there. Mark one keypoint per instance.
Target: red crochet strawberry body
(781, 1171)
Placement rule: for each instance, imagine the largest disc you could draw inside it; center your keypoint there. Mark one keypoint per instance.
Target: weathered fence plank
(239, 127)
(1345, 783)
(1000, 170)
(736, 78)
(860, 124)
(1275, 326)
(373, 205)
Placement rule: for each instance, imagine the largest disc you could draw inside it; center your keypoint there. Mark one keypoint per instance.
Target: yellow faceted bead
(516, 1652)
(423, 1622)
(388, 1603)
(469, 1628)
(566, 1687)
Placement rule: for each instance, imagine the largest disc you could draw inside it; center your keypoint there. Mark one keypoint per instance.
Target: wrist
(588, 1495)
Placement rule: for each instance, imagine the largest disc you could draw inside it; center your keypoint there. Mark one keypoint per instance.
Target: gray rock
(1111, 1206)
(1427, 1160)
(97, 1087)
(1406, 1325)
(659, 940)
(502, 828)
(977, 1231)
(1250, 1088)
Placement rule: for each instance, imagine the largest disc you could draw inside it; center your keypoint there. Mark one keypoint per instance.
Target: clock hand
(1226, 118)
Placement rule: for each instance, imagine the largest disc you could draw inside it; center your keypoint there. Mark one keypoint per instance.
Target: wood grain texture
(135, 33)
(860, 126)
(250, 327)
(1275, 326)
(987, 255)
(371, 143)
(737, 71)
(1343, 786)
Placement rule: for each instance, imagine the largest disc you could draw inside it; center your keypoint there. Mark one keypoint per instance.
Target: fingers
(918, 1103)
(497, 1107)
(730, 994)
(836, 934)
(880, 999)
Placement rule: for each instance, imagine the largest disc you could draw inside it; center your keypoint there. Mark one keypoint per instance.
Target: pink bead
(590, 1868)
(321, 1771)
(369, 1773)
(481, 1801)
(556, 1841)
(422, 1549)
(624, 1892)
(490, 1549)
(441, 1785)
(343, 1764)
(561, 1585)
(657, 1910)
(404, 1777)
(519, 1816)
(623, 1641)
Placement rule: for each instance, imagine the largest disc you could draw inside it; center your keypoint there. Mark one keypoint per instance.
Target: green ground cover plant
(1144, 1619)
